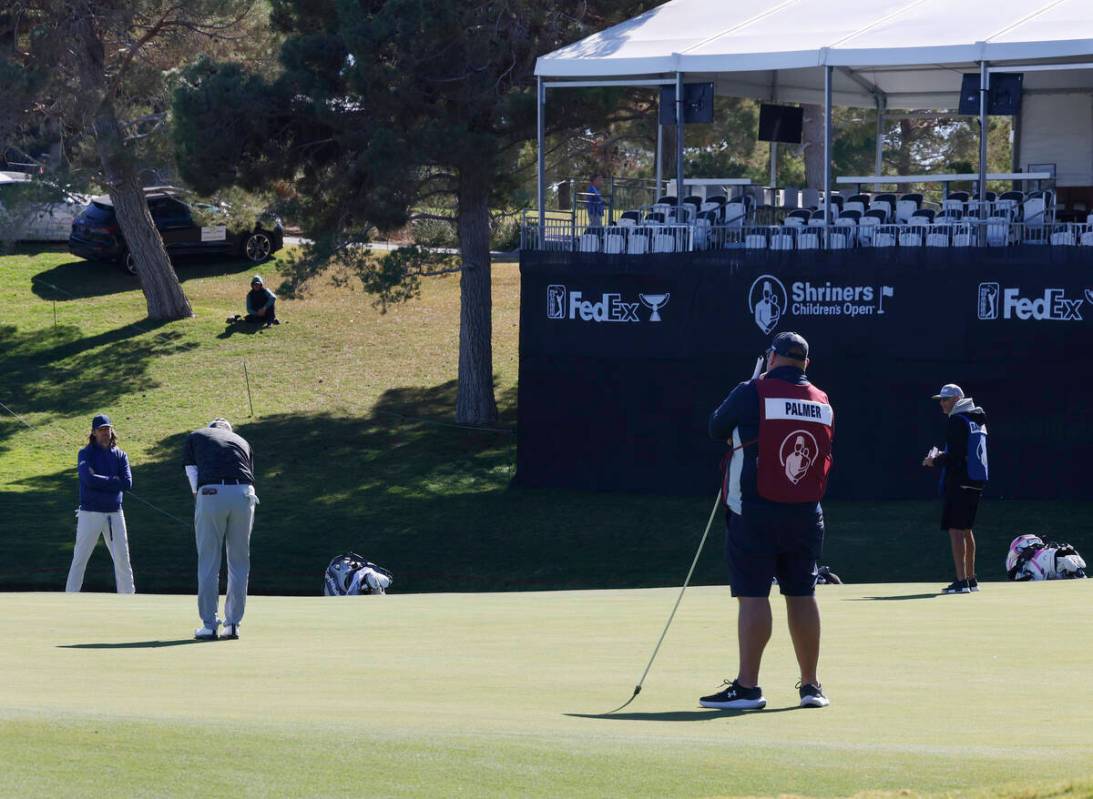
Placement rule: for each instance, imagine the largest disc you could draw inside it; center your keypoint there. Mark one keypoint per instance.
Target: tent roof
(912, 51)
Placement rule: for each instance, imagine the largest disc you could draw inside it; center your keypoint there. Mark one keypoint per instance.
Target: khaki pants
(222, 521)
(111, 526)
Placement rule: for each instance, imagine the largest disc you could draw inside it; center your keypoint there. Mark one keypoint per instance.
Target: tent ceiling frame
(869, 86)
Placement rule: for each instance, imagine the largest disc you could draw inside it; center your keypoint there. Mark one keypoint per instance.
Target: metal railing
(560, 235)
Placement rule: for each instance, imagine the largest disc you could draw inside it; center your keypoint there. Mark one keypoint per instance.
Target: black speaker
(1004, 98)
(781, 123)
(697, 103)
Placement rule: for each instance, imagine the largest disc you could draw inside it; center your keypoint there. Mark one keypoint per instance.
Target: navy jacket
(104, 475)
(260, 300)
(740, 412)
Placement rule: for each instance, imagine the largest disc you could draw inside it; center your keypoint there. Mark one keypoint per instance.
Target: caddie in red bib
(795, 424)
(779, 429)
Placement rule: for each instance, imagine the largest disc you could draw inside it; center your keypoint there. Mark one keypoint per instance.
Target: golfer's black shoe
(957, 587)
(973, 584)
(735, 697)
(812, 695)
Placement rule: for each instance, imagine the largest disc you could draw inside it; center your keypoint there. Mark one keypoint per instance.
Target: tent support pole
(878, 157)
(658, 192)
(827, 148)
(984, 92)
(540, 168)
(773, 144)
(679, 139)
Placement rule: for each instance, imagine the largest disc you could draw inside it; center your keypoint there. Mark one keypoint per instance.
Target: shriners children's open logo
(797, 454)
(769, 302)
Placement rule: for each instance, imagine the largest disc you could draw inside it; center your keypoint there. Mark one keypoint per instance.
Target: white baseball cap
(949, 390)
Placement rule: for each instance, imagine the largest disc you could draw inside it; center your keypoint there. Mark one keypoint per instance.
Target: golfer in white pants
(104, 477)
(220, 469)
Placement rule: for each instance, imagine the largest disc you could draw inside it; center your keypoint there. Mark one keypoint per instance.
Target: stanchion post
(246, 377)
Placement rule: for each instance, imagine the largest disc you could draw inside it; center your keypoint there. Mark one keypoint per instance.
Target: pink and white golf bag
(1030, 558)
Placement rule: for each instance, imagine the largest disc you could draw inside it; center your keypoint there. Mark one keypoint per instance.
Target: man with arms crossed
(780, 427)
(104, 477)
(220, 468)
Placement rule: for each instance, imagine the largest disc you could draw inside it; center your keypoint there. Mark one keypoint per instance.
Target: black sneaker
(957, 587)
(973, 584)
(735, 697)
(812, 695)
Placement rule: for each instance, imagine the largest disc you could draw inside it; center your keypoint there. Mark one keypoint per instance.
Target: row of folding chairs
(637, 239)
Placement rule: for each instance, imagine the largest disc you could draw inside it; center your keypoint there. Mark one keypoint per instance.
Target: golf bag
(1030, 558)
(352, 575)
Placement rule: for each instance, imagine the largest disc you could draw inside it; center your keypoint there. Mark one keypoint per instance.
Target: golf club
(637, 688)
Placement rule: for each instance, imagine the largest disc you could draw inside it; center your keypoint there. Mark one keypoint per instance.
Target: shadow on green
(135, 644)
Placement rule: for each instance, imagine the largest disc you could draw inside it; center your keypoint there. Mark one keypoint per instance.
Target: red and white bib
(795, 433)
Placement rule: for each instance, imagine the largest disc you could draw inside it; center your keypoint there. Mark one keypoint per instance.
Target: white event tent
(906, 54)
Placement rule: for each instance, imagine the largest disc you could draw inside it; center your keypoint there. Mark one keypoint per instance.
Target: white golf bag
(352, 575)
(1030, 558)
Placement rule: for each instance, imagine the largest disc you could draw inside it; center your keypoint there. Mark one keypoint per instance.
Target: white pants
(111, 526)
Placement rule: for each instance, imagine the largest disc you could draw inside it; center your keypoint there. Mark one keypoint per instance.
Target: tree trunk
(812, 136)
(162, 291)
(475, 403)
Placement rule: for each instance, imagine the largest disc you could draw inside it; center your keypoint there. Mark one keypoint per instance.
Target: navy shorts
(958, 512)
(772, 541)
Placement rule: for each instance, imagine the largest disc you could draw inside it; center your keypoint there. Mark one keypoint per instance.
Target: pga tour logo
(769, 302)
(562, 303)
(995, 302)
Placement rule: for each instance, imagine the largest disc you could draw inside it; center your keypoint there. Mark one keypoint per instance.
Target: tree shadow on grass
(404, 486)
(60, 371)
(78, 279)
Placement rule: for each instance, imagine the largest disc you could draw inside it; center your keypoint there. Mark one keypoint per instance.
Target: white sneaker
(230, 632)
(206, 634)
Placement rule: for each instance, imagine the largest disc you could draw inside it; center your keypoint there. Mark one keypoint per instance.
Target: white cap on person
(222, 423)
(948, 391)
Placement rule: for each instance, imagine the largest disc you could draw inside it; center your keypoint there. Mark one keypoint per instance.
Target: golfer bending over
(780, 427)
(220, 468)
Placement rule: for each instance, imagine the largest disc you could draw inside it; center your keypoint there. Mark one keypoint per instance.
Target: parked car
(187, 227)
(45, 212)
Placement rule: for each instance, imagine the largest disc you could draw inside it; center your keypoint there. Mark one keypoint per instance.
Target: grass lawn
(502, 695)
(354, 448)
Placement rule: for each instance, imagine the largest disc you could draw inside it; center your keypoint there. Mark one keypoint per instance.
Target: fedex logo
(565, 303)
(1053, 305)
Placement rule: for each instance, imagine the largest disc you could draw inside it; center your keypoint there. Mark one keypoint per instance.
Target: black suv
(97, 236)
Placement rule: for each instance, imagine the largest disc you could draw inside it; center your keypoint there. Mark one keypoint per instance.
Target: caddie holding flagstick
(220, 467)
(780, 427)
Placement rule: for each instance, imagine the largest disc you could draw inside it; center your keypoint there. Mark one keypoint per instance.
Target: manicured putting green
(497, 695)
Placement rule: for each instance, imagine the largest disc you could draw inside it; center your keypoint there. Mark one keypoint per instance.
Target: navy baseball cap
(790, 345)
(257, 279)
(102, 420)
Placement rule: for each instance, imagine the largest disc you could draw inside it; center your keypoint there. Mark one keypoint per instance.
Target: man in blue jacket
(104, 476)
(965, 473)
(780, 428)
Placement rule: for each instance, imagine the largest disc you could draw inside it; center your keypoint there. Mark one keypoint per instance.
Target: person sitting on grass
(261, 305)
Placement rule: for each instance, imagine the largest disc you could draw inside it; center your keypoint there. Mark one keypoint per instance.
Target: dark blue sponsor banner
(622, 359)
